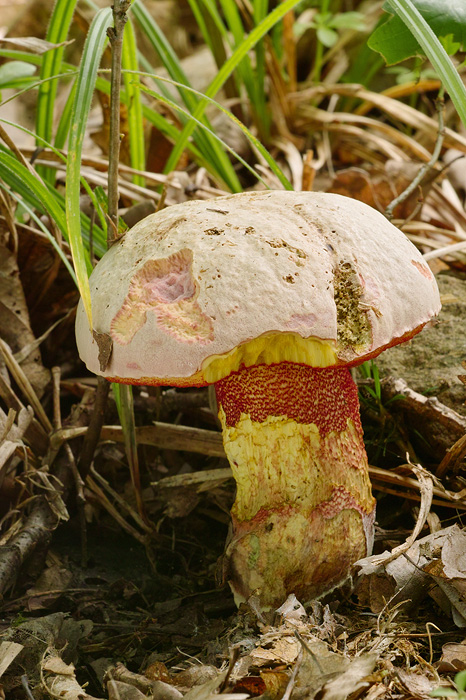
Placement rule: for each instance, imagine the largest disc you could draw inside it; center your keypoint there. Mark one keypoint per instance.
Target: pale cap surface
(200, 278)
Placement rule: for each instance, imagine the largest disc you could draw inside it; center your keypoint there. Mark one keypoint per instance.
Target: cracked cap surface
(193, 292)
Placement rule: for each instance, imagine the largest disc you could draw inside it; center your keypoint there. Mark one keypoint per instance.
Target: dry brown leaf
(275, 683)
(55, 578)
(447, 570)
(319, 667)
(58, 678)
(15, 327)
(454, 554)
(292, 610)
(209, 691)
(352, 680)
(283, 650)
(55, 664)
(377, 692)
(252, 685)
(194, 675)
(378, 187)
(372, 563)
(157, 671)
(405, 578)
(117, 690)
(8, 653)
(417, 684)
(453, 658)
(165, 691)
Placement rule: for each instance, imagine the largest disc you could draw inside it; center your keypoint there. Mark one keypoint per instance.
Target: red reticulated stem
(304, 511)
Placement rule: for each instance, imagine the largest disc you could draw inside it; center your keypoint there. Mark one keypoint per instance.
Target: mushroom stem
(304, 511)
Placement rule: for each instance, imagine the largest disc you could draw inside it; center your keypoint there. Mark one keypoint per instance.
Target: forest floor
(101, 601)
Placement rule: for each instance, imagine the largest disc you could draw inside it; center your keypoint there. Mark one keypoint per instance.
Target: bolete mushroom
(272, 297)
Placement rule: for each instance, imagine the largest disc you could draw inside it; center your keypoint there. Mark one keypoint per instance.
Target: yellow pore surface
(269, 349)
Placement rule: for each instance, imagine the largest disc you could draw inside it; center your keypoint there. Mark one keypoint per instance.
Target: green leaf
(44, 229)
(328, 37)
(14, 73)
(348, 20)
(90, 61)
(460, 680)
(449, 44)
(443, 693)
(395, 41)
(434, 51)
(44, 196)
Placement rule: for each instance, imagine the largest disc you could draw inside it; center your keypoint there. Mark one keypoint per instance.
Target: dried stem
(427, 166)
(115, 34)
(95, 426)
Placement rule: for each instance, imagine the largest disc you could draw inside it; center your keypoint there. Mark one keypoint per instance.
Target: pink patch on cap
(299, 321)
(167, 288)
(133, 365)
(423, 269)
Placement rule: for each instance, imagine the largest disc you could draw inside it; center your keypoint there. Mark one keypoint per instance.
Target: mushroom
(271, 296)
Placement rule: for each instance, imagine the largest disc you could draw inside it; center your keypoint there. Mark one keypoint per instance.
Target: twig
(439, 424)
(124, 505)
(453, 459)
(26, 688)
(115, 33)
(110, 508)
(209, 442)
(446, 250)
(92, 433)
(32, 538)
(439, 104)
(78, 482)
(24, 384)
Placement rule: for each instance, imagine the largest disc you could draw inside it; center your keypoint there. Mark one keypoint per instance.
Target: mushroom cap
(307, 277)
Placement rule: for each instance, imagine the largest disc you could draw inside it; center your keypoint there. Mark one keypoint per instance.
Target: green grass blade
(434, 51)
(160, 123)
(245, 73)
(274, 167)
(57, 33)
(259, 105)
(198, 123)
(63, 127)
(161, 46)
(233, 20)
(44, 229)
(28, 88)
(16, 55)
(157, 120)
(210, 148)
(215, 36)
(31, 188)
(125, 407)
(40, 199)
(85, 82)
(249, 42)
(134, 106)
